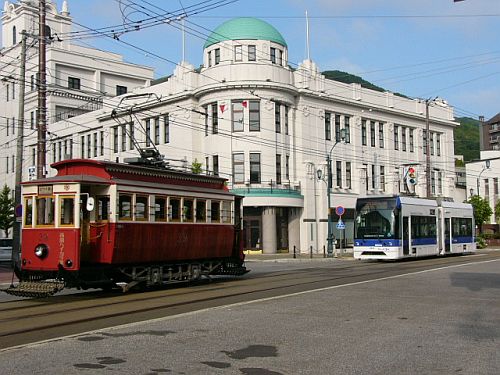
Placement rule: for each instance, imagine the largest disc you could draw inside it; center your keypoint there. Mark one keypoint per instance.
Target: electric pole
(42, 94)
(427, 150)
(16, 246)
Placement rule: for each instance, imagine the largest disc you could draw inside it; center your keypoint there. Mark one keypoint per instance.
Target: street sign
(340, 224)
(340, 210)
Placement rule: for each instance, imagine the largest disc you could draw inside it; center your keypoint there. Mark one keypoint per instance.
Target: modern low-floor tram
(396, 227)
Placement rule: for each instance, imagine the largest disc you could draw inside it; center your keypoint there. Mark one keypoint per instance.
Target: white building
(78, 78)
(250, 117)
(482, 179)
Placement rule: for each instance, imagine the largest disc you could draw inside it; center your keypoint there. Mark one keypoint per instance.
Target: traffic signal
(411, 176)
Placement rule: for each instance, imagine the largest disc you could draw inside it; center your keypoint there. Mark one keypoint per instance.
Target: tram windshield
(376, 219)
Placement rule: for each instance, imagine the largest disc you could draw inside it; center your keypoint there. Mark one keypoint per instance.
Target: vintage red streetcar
(97, 224)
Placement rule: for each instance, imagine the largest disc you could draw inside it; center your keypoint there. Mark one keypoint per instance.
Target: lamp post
(329, 183)
(486, 166)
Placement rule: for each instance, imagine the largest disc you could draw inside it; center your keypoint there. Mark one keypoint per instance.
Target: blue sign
(340, 224)
(340, 210)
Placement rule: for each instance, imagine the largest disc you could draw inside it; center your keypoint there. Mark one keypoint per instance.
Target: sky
(421, 48)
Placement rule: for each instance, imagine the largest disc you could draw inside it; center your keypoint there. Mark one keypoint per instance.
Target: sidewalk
(6, 273)
(299, 257)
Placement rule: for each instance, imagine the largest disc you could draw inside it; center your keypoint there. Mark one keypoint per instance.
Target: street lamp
(486, 166)
(329, 183)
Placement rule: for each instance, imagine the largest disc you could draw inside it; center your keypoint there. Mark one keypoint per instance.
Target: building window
(166, 129)
(412, 141)
(373, 176)
(382, 178)
(131, 135)
(252, 53)
(121, 90)
(338, 171)
(32, 119)
(238, 116)
(254, 115)
(277, 117)
(486, 186)
(215, 164)
(217, 56)
(13, 125)
(209, 58)
(440, 183)
(215, 119)
(279, 57)
(255, 168)
(273, 55)
(438, 144)
(347, 128)
(425, 142)
(328, 126)
(363, 132)
(337, 128)
(148, 132)
(278, 169)
(433, 182)
(287, 167)
(82, 147)
(95, 146)
(115, 139)
(13, 91)
(381, 134)
(206, 119)
(32, 82)
(8, 126)
(238, 53)
(124, 137)
(396, 137)
(89, 146)
(157, 130)
(348, 183)
(432, 143)
(74, 83)
(238, 168)
(14, 36)
(372, 133)
(287, 109)
(101, 143)
(403, 138)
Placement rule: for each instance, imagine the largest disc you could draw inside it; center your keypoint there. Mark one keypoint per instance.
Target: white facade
(482, 179)
(268, 129)
(78, 78)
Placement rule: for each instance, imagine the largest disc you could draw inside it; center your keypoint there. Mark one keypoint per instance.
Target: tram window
(215, 211)
(125, 207)
(187, 210)
(160, 208)
(67, 211)
(201, 211)
(226, 212)
(461, 227)
(141, 207)
(45, 211)
(28, 209)
(102, 208)
(175, 209)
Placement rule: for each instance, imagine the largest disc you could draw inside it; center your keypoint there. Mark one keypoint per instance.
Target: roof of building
(494, 119)
(245, 28)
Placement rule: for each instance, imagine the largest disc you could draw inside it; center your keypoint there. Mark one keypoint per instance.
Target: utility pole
(42, 94)
(427, 150)
(19, 150)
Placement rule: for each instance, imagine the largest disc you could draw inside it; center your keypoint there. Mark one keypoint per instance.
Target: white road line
(130, 325)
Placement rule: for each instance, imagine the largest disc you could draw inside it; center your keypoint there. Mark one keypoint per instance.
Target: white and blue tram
(395, 227)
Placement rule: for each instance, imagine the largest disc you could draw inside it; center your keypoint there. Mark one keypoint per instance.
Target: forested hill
(466, 135)
(467, 138)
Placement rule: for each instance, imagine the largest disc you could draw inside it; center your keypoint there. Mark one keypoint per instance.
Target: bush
(480, 242)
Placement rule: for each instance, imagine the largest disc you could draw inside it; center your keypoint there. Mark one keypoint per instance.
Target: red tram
(99, 223)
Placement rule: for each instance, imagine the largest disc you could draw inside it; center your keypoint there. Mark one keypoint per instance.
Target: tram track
(62, 317)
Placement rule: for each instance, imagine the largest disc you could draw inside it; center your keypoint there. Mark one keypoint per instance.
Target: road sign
(340, 210)
(340, 224)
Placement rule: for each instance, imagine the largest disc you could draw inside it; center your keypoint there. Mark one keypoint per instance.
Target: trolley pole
(42, 94)
(16, 235)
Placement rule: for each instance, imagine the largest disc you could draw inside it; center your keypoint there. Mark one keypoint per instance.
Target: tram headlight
(41, 251)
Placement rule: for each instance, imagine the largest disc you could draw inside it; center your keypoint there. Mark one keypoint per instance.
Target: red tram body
(99, 223)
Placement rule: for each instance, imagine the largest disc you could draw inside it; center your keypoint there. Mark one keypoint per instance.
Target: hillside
(466, 135)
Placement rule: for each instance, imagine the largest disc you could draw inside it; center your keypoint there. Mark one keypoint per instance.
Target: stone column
(294, 230)
(269, 237)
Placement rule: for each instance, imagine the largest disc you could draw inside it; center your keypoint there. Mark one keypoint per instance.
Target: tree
(6, 210)
(482, 209)
(196, 167)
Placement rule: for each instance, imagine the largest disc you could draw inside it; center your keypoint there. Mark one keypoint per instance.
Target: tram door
(406, 236)
(84, 219)
(447, 235)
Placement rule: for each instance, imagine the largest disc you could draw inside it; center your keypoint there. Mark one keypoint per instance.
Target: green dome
(245, 28)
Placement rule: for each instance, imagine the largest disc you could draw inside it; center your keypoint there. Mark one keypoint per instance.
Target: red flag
(244, 103)
(222, 108)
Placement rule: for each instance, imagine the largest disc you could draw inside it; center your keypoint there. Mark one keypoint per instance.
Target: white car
(5, 249)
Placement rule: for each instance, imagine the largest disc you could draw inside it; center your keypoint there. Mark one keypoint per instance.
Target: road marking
(157, 320)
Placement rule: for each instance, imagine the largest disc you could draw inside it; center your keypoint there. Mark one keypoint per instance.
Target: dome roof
(245, 28)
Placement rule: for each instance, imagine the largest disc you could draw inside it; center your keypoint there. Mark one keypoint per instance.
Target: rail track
(27, 321)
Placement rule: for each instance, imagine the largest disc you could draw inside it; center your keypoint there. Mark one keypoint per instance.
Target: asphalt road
(438, 316)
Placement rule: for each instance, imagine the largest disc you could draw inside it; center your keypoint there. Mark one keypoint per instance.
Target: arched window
(14, 36)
